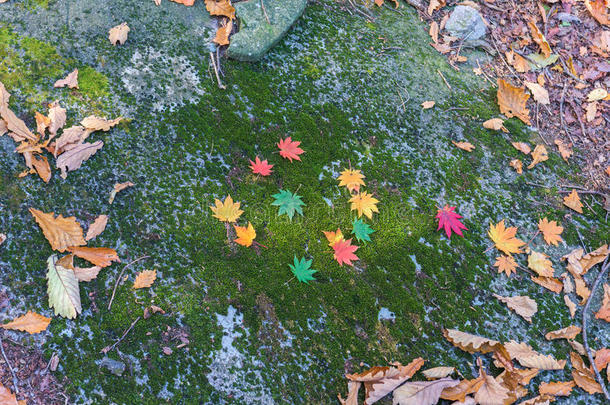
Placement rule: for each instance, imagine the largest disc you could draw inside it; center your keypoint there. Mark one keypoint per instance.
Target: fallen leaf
(261, 167)
(288, 203)
(512, 100)
(245, 235)
(99, 256)
(365, 204)
(540, 94)
(570, 304)
(145, 279)
(565, 150)
(94, 123)
(6, 396)
(118, 34)
(435, 5)
(568, 285)
(222, 33)
(539, 39)
(540, 263)
(63, 291)
(449, 220)
(602, 358)
(226, 211)
(467, 146)
(428, 104)
(361, 230)
(31, 323)
(569, 332)
(118, 187)
(42, 168)
(60, 232)
(517, 165)
(302, 270)
(542, 362)
(434, 30)
(539, 155)
(221, 8)
(74, 158)
(97, 227)
(504, 238)
(560, 388)
(333, 237)
(438, 372)
(42, 123)
(518, 350)
(591, 111)
(520, 64)
(289, 149)
(344, 252)
(465, 387)
(579, 347)
(551, 231)
(539, 400)
(549, 283)
(71, 80)
(472, 343)
(573, 201)
(524, 306)
(422, 392)
(582, 290)
(522, 147)
(2, 238)
(584, 376)
(599, 10)
(506, 264)
(86, 273)
(491, 392)
(57, 118)
(496, 124)
(352, 179)
(579, 264)
(187, 3)
(70, 137)
(352, 386)
(604, 310)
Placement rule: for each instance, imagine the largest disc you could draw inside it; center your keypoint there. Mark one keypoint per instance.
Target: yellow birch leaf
(31, 323)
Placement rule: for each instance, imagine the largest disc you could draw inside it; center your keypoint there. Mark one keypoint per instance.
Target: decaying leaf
(524, 306)
(245, 235)
(551, 231)
(602, 358)
(540, 263)
(6, 396)
(471, 343)
(579, 264)
(517, 61)
(540, 94)
(220, 8)
(573, 201)
(99, 256)
(582, 290)
(69, 138)
(435, 5)
(538, 155)
(599, 10)
(506, 264)
(542, 362)
(438, 372)
(57, 117)
(519, 350)
(522, 147)
(428, 104)
(71, 80)
(97, 227)
(467, 146)
(86, 273)
(42, 123)
(118, 187)
(365, 204)
(31, 323)
(491, 391)
(74, 158)
(604, 310)
(422, 392)
(565, 150)
(118, 34)
(63, 291)
(60, 232)
(222, 34)
(584, 376)
(94, 123)
(539, 39)
(352, 179)
(496, 124)
(504, 238)
(226, 211)
(569, 332)
(560, 388)
(464, 388)
(145, 279)
(570, 304)
(517, 165)
(512, 100)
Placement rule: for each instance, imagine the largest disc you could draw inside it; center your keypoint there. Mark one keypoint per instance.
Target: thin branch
(8, 363)
(116, 284)
(109, 348)
(220, 85)
(265, 12)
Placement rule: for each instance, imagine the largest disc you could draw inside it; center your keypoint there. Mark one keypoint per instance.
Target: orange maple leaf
(344, 252)
(245, 235)
(512, 101)
(573, 201)
(222, 8)
(333, 237)
(551, 231)
(506, 264)
(504, 238)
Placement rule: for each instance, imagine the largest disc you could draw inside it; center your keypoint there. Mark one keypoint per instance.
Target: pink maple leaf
(289, 149)
(261, 167)
(450, 221)
(344, 252)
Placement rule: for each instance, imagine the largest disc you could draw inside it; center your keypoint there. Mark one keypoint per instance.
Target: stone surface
(466, 23)
(256, 35)
(114, 366)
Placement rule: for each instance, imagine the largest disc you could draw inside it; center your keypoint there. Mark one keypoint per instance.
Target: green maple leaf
(289, 203)
(302, 270)
(361, 230)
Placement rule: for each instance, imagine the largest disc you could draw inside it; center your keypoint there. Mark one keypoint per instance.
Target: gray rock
(466, 23)
(256, 35)
(114, 366)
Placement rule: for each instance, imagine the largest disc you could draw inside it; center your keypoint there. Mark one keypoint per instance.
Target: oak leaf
(540, 94)
(504, 238)
(94, 123)
(97, 227)
(63, 291)
(506, 264)
(512, 101)
(221, 8)
(71, 80)
(145, 279)
(222, 34)
(74, 158)
(99, 256)
(344, 252)
(569, 332)
(522, 147)
(517, 165)
(573, 201)
(524, 306)
(31, 323)
(245, 235)
(496, 124)
(583, 375)
(565, 149)
(438, 372)
(365, 204)
(464, 388)
(352, 179)
(560, 388)
(333, 237)
(289, 149)
(551, 231)
(467, 146)
(226, 211)
(539, 39)
(539, 155)
(60, 232)
(540, 263)
(604, 310)
(261, 167)
(449, 220)
(118, 34)
(422, 392)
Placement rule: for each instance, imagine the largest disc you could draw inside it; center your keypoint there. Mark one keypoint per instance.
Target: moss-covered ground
(350, 91)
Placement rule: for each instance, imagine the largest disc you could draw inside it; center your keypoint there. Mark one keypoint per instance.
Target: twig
(486, 4)
(8, 363)
(582, 126)
(563, 124)
(220, 85)
(598, 280)
(116, 284)
(566, 70)
(109, 348)
(265, 12)
(493, 37)
(581, 190)
(443, 77)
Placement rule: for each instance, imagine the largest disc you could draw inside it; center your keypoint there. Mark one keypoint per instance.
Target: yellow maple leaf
(226, 211)
(512, 101)
(333, 237)
(365, 204)
(504, 238)
(245, 235)
(506, 264)
(352, 179)
(539, 154)
(551, 231)
(540, 263)
(573, 201)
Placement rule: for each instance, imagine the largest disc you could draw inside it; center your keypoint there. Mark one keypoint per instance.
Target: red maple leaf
(450, 221)
(263, 168)
(344, 252)
(289, 149)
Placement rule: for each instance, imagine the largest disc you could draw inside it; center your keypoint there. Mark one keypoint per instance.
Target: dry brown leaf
(524, 306)
(599, 10)
(520, 64)
(434, 30)
(471, 343)
(549, 283)
(497, 124)
(3, 128)
(539, 39)
(540, 94)
(442, 47)
(118, 34)
(42, 167)
(602, 358)
(591, 111)
(522, 147)
(584, 376)
(187, 3)
(422, 392)
(70, 137)
(7, 397)
(539, 400)
(597, 94)
(222, 8)
(573, 201)
(517, 165)
(569, 332)
(518, 350)
(539, 155)
(42, 123)
(145, 279)
(73, 159)
(604, 310)
(570, 304)
(60, 232)
(438, 372)
(582, 290)
(86, 273)
(16, 127)
(591, 259)
(57, 118)
(540, 263)
(31, 323)
(560, 388)
(491, 391)
(97, 227)
(467, 146)
(512, 100)
(117, 188)
(428, 104)
(551, 231)
(94, 123)
(568, 285)
(506, 264)
(102, 257)
(580, 349)
(465, 387)
(71, 80)
(352, 391)
(435, 5)
(155, 309)
(565, 150)
(222, 34)
(2, 238)
(542, 362)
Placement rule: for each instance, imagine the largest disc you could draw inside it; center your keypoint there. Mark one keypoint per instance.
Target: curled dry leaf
(221, 8)
(542, 362)
(60, 232)
(551, 231)
(145, 279)
(118, 34)
(69, 138)
(517, 165)
(57, 118)
(584, 376)
(539, 155)
(99, 256)
(604, 310)
(573, 201)
(42, 123)
(464, 388)
(524, 306)
(434, 30)
(118, 187)
(565, 150)
(560, 388)
(602, 358)
(74, 158)
(472, 343)
(579, 264)
(435, 5)
(71, 80)
(467, 146)
(522, 147)
(579, 347)
(599, 10)
(540, 94)
(570, 304)
(566, 333)
(540, 263)
(518, 350)
(491, 391)
(512, 101)
(539, 39)
(97, 227)
(31, 323)
(438, 372)
(422, 392)
(582, 290)
(94, 123)
(222, 34)
(428, 104)
(497, 124)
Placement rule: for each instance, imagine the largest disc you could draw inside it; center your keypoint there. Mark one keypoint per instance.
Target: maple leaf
(449, 221)
(118, 34)
(604, 310)
(522, 147)
(289, 149)
(302, 270)
(565, 149)
(512, 100)
(333, 237)
(361, 230)
(365, 204)
(344, 252)
(539, 155)
(145, 279)
(506, 264)
(97, 227)
(245, 235)
(524, 306)
(517, 165)
(60, 232)
(288, 203)
(551, 231)
(261, 167)
(222, 8)
(573, 201)
(540, 263)
(467, 146)
(63, 291)
(222, 34)
(31, 323)
(99, 256)
(226, 211)
(74, 158)
(352, 179)
(71, 81)
(422, 392)
(504, 238)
